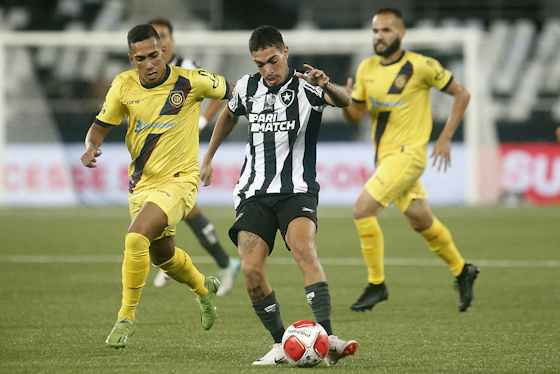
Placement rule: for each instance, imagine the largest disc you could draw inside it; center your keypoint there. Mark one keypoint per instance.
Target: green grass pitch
(60, 290)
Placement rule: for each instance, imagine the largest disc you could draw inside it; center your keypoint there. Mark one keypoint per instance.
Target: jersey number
(211, 76)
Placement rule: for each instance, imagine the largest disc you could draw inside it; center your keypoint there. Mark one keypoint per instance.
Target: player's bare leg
(300, 238)
(365, 212)
(441, 242)
(253, 252)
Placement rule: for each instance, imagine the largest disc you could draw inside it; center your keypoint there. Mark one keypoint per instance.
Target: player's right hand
(89, 158)
(206, 173)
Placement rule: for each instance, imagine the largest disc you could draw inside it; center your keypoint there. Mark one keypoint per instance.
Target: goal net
(54, 82)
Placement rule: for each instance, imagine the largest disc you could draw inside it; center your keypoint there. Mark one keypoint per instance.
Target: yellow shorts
(397, 180)
(176, 198)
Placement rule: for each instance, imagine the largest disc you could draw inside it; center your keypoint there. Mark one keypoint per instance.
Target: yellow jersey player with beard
(393, 87)
(162, 105)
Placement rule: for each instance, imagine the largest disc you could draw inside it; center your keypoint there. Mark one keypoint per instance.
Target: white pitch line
(330, 261)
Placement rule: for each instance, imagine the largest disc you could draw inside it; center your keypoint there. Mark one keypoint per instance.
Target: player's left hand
(206, 173)
(314, 76)
(441, 154)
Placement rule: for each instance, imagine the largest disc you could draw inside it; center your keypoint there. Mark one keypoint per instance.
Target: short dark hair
(265, 36)
(162, 22)
(395, 12)
(141, 32)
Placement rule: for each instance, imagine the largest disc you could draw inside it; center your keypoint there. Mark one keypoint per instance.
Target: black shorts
(264, 215)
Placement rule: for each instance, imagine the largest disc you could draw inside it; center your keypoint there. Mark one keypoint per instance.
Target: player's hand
(89, 158)
(206, 173)
(314, 76)
(349, 86)
(441, 154)
(558, 134)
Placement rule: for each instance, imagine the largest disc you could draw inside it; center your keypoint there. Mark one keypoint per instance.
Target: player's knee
(420, 223)
(362, 211)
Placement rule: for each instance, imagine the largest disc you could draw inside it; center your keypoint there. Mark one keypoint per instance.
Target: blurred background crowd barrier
(58, 57)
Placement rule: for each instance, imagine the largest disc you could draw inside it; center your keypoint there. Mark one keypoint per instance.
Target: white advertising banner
(51, 174)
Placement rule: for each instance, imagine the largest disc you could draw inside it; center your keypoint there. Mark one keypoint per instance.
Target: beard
(390, 49)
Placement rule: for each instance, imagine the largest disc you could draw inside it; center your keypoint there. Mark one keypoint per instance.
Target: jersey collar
(165, 76)
(396, 61)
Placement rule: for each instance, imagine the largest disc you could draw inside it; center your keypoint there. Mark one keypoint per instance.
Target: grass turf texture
(56, 311)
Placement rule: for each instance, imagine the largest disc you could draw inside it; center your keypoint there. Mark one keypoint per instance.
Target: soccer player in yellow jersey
(196, 220)
(393, 87)
(162, 104)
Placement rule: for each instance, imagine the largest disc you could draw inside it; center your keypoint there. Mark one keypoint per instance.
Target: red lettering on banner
(123, 178)
(10, 178)
(56, 177)
(98, 178)
(32, 177)
(225, 177)
(343, 176)
(532, 169)
(79, 177)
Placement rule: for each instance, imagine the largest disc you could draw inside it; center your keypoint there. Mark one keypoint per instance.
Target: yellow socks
(181, 268)
(371, 241)
(135, 268)
(440, 241)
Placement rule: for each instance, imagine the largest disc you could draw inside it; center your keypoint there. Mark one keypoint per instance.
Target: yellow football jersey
(398, 99)
(162, 134)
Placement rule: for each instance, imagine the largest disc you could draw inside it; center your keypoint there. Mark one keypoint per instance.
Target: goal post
(482, 168)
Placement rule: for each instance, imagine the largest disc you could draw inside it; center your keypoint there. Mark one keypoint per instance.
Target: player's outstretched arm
(225, 124)
(94, 139)
(335, 95)
(441, 153)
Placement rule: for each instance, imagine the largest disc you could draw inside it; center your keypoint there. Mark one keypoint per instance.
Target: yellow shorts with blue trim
(397, 180)
(175, 197)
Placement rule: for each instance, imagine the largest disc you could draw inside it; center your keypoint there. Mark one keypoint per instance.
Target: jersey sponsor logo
(176, 98)
(269, 123)
(380, 103)
(140, 126)
(287, 97)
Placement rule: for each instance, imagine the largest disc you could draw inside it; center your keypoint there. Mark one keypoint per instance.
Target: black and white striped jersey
(284, 121)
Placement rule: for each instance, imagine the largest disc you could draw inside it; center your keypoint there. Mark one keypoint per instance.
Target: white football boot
(227, 276)
(339, 348)
(161, 279)
(274, 357)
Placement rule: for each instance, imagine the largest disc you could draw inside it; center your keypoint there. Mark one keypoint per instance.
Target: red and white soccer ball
(305, 343)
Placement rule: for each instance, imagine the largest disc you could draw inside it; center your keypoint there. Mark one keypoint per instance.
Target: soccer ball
(305, 343)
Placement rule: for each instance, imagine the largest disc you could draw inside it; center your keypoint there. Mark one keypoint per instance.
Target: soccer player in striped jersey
(162, 105)
(202, 228)
(277, 188)
(393, 87)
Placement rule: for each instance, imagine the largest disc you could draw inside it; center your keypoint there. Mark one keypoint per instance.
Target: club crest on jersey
(287, 97)
(176, 98)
